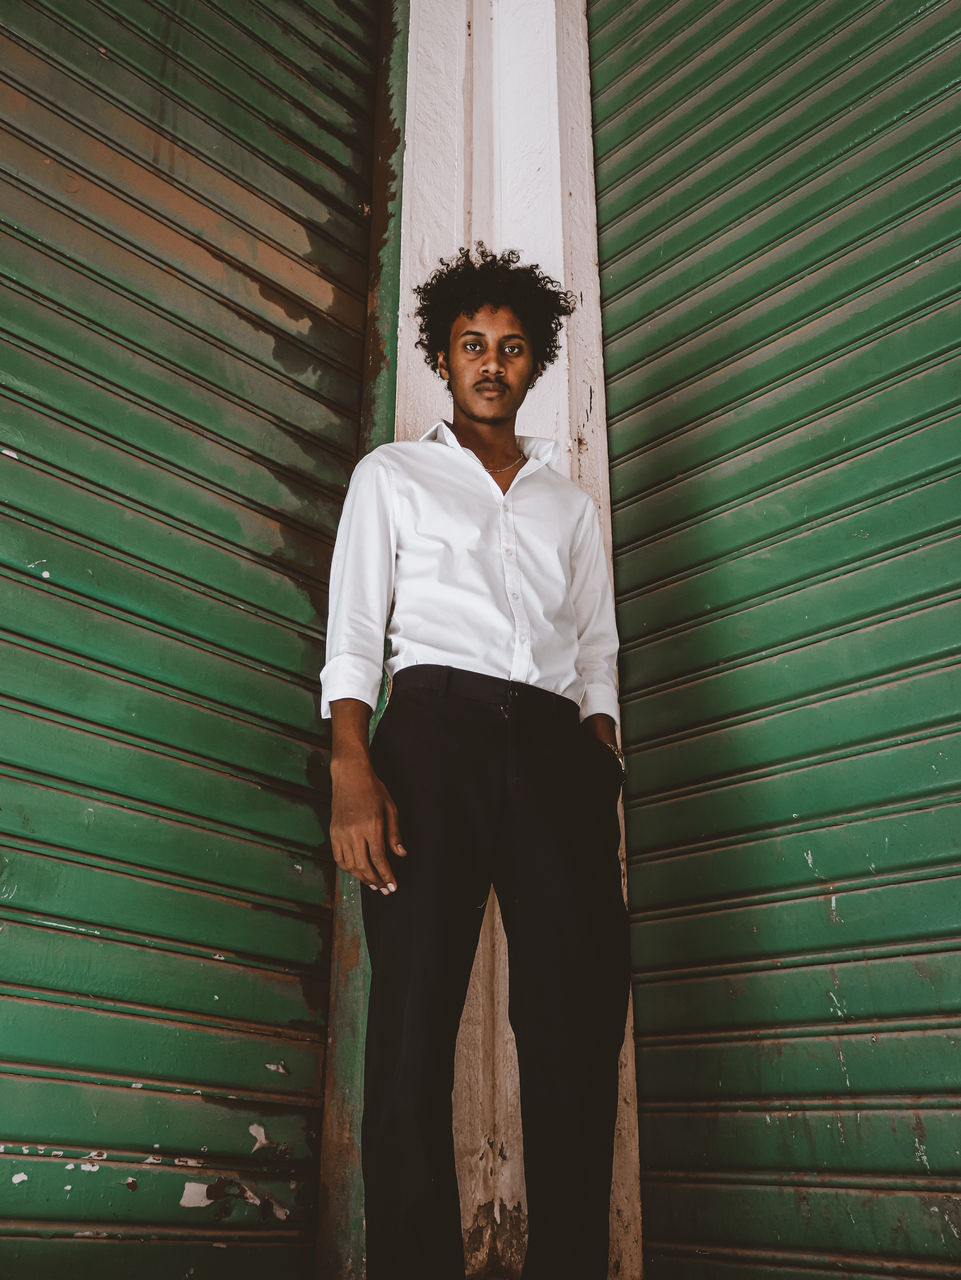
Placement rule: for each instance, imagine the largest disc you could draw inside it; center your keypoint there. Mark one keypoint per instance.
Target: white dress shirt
(433, 555)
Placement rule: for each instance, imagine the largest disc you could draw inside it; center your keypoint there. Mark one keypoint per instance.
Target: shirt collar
(536, 449)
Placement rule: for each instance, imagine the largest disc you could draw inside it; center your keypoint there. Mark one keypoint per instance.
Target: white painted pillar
(498, 148)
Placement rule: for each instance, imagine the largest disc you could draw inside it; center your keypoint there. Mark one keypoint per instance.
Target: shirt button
(515, 595)
(508, 552)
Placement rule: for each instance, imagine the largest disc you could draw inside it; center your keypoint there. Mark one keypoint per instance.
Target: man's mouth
(495, 387)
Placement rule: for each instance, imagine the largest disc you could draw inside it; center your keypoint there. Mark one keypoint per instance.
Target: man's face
(489, 366)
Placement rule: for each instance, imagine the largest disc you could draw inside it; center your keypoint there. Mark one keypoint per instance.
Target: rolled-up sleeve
(361, 587)
(593, 603)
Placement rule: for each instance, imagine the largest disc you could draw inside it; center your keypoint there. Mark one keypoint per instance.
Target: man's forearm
(601, 726)
(350, 730)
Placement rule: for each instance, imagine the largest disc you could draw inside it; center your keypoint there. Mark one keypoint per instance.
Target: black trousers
(496, 783)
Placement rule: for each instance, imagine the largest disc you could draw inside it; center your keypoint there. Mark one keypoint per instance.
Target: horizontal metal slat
(330, 45)
(909, 841)
(60, 65)
(69, 818)
(804, 1068)
(101, 464)
(917, 771)
(772, 142)
(821, 670)
(67, 752)
(832, 919)
(778, 1217)
(134, 41)
(886, 528)
(47, 281)
(690, 476)
(702, 56)
(46, 959)
(41, 1189)
(69, 894)
(769, 514)
(289, 337)
(918, 986)
(891, 709)
(166, 663)
(102, 577)
(50, 682)
(836, 342)
(230, 1256)
(140, 1049)
(239, 456)
(889, 179)
(200, 190)
(154, 545)
(846, 1139)
(859, 595)
(97, 182)
(265, 76)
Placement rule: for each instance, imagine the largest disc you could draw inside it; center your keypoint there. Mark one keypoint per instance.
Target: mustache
(489, 383)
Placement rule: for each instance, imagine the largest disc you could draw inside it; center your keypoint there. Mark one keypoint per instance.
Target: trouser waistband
(493, 691)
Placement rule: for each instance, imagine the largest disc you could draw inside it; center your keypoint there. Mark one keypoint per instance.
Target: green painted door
(779, 230)
(183, 271)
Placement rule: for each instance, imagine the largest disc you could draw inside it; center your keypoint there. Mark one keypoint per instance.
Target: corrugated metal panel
(779, 241)
(183, 271)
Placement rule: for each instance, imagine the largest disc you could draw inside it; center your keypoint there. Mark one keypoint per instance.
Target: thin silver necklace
(496, 471)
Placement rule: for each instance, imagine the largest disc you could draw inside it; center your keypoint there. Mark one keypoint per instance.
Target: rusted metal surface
(341, 1218)
(185, 234)
(778, 222)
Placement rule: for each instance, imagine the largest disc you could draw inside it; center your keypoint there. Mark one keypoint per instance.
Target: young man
(495, 762)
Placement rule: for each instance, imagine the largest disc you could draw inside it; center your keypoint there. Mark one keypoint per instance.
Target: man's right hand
(364, 823)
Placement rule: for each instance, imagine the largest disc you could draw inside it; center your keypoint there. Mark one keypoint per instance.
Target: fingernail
(385, 891)
(399, 848)
(372, 888)
(392, 887)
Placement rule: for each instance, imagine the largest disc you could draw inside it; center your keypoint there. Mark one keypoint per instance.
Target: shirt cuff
(600, 699)
(350, 676)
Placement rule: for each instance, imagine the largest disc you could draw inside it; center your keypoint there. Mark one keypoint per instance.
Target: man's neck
(494, 443)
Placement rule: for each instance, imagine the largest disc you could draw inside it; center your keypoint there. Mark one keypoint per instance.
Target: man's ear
(538, 370)
(442, 368)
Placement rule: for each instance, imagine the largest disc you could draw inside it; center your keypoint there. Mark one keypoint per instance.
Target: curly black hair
(462, 285)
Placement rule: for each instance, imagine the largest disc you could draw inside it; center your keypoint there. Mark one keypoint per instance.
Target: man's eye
(471, 346)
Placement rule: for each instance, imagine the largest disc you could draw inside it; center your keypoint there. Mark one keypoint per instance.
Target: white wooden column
(498, 148)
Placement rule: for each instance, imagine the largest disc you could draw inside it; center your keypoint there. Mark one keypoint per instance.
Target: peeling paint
(194, 1196)
(259, 1135)
(18, 1178)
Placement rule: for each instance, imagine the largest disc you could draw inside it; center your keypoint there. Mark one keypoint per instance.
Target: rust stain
(495, 1242)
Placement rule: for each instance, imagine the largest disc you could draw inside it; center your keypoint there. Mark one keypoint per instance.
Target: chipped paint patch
(194, 1196)
(18, 1178)
(259, 1135)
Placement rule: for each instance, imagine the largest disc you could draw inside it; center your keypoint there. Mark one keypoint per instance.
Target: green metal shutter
(183, 272)
(779, 240)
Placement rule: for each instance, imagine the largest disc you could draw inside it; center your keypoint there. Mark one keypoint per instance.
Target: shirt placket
(521, 656)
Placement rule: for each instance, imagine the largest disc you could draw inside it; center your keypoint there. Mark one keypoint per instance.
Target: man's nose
(492, 363)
